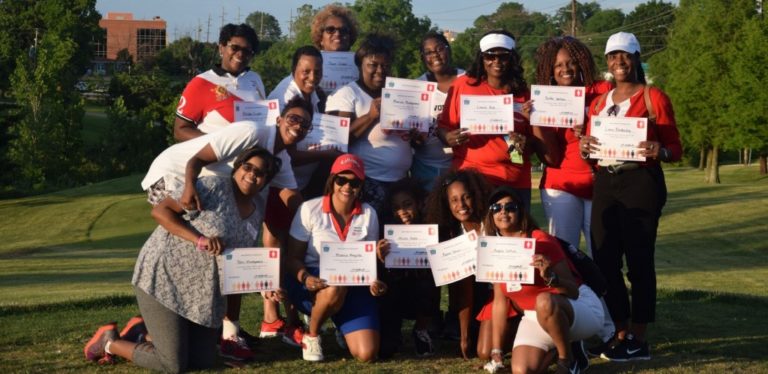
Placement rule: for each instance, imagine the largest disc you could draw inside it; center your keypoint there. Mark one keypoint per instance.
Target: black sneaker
(580, 355)
(565, 367)
(629, 349)
(423, 343)
(249, 339)
(603, 347)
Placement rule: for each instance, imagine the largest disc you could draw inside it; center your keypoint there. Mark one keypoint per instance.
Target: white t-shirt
(434, 153)
(313, 224)
(387, 157)
(284, 92)
(227, 144)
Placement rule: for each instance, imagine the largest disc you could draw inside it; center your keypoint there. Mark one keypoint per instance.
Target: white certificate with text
(505, 260)
(410, 85)
(453, 260)
(338, 69)
(486, 114)
(245, 270)
(557, 106)
(261, 112)
(405, 110)
(619, 137)
(348, 263)
(328, 132)
(408, 245)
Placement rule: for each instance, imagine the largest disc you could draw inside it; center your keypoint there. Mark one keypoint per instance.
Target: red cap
(349, 162)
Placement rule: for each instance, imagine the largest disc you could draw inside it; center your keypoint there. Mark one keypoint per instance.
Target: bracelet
(553, 279)
(663, 154)
(497, 351)
(200, 245)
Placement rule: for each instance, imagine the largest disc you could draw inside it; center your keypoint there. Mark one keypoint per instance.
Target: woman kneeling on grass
(176, 277)
(338, 216)
(558, 307)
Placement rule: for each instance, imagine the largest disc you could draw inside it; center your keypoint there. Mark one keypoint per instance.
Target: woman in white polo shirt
(339, 215)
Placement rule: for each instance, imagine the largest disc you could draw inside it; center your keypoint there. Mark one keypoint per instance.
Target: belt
(620, 168)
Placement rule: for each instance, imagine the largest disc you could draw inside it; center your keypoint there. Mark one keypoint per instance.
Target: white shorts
(587, 321)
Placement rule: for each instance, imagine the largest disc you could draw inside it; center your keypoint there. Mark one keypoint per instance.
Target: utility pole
(222, 16)
(208, 30)
(573, 18)
(199, 29)
(261, 27)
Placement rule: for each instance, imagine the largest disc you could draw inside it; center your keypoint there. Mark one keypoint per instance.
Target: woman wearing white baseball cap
(628, 198)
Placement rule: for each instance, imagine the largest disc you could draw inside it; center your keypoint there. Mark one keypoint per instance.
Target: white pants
(568, 216)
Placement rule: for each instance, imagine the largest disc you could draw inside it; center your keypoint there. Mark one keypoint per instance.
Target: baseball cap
(349, 162)
(622, 41)
(492, 41)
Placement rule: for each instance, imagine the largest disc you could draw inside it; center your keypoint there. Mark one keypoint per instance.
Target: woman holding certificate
(629, 195)
(557, 307)
(176, 277)
(502, 157)
(338, 216)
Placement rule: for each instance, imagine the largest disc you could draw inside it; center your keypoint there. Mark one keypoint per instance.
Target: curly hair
(230, 31)
(526, 223)
(333, 10)
(513, 77)
(438, 207)
(546, 55)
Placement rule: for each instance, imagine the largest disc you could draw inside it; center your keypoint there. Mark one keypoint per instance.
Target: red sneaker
(272, 329)
(235, 349)
(94, 349)
(293, 335)
(134, 331)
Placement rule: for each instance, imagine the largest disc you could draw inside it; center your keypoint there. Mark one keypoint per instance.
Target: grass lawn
(66, 261)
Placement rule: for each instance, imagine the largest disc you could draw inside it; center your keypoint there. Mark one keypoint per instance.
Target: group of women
(229, 183)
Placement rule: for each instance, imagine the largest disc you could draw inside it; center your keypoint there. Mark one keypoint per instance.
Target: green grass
(95, 124)
(66, 261)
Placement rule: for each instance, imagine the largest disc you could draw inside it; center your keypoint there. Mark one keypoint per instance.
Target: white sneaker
(311, 349)
(493, 366)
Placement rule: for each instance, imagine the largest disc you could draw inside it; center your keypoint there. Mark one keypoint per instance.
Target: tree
(695, 64)
(301, 25)
(186, 57)
(604, 20)
(650, 22)
(564, 20)
(266, 25)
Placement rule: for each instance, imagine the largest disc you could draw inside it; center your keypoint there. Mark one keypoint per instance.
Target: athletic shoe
(272, 329)
(565, 367)
(94, 349)
(235, 349)
(250, 340)
(293, 335)
(135, 331)
(311, 349)
(629, 349)
(493, 366)
(580, 355)
(340, 340)
(601, 348)
(423, 343)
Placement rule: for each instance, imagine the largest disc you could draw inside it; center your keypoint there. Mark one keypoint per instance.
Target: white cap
(492, 41)
(622, 41)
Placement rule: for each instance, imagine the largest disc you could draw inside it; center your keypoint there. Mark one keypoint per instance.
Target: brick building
(142, 38)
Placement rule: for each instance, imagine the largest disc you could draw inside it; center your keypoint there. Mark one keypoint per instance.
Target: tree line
(709, 55)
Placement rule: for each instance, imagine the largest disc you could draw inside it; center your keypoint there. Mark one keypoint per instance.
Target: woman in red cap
(338, 216)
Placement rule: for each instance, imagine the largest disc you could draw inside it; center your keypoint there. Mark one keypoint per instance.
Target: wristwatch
(553, 279)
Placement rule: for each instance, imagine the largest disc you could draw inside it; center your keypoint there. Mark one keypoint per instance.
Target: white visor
(492, 41)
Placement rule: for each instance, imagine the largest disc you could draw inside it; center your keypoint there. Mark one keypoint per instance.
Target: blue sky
(184, 16)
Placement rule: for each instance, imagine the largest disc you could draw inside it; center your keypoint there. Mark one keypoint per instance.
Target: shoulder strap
(649, 105)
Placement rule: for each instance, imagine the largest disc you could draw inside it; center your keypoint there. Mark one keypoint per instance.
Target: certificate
(505, 260)
(486, 114)
(619, 137)
(245, 270)
(348, 263)
(557, 106)
(261, 112)
(410, 85)
(328, 132)
(408, 245)
(405, 110)
(454, 259)
(338, 69)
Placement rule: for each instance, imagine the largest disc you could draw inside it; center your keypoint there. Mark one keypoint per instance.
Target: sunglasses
(492, 56)
(248, 168)
(509, 207)
(438, 50)
(342, 181)
(239, 48)
(614, 110)
(333, 29)
(297, 120)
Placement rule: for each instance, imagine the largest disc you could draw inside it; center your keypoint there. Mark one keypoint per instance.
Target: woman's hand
(650, 149)
(375, 111)
(378, 288)
(517, 141)
(456, 137)
(382, 249)
(314, 283)
(212, 245)
(277, 295)
(190, 201)
(577, 130)
(542, 264)
(526, 109)
(587, 145)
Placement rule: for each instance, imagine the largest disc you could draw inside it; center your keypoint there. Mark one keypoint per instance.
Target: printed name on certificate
(246, 270)
(487, 114)
(328, 132)
(619, 137)
(408, 245)
(557, 106)
(348, 263)
(453, 260)
(505, 260)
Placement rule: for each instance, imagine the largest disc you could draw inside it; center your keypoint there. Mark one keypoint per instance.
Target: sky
(184, 17)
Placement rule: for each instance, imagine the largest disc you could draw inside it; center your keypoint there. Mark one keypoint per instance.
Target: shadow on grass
(105, 248)
(79, 305)
(52, 277)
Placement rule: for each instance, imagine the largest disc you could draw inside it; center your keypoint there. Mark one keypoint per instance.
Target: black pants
(411, 294)
(625, 216)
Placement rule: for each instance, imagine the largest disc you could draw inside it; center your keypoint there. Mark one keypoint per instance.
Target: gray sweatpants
(177, 344)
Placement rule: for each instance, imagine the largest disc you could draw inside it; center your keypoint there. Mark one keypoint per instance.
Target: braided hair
(546, 55)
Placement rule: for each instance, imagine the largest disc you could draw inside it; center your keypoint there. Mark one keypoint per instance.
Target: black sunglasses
(501, 56)
(509, 207)
(353, 182)
(294, 119)
(334, 29)
(248, 168)
(614, 110)
(237, 48)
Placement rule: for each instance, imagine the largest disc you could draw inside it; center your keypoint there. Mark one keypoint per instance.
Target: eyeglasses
(297, 120)
(342, 181)
(501, 56)
(239, 48)
(248, 168)
(438, 50)
(509, 207)
(333, 29)
(614, 110)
